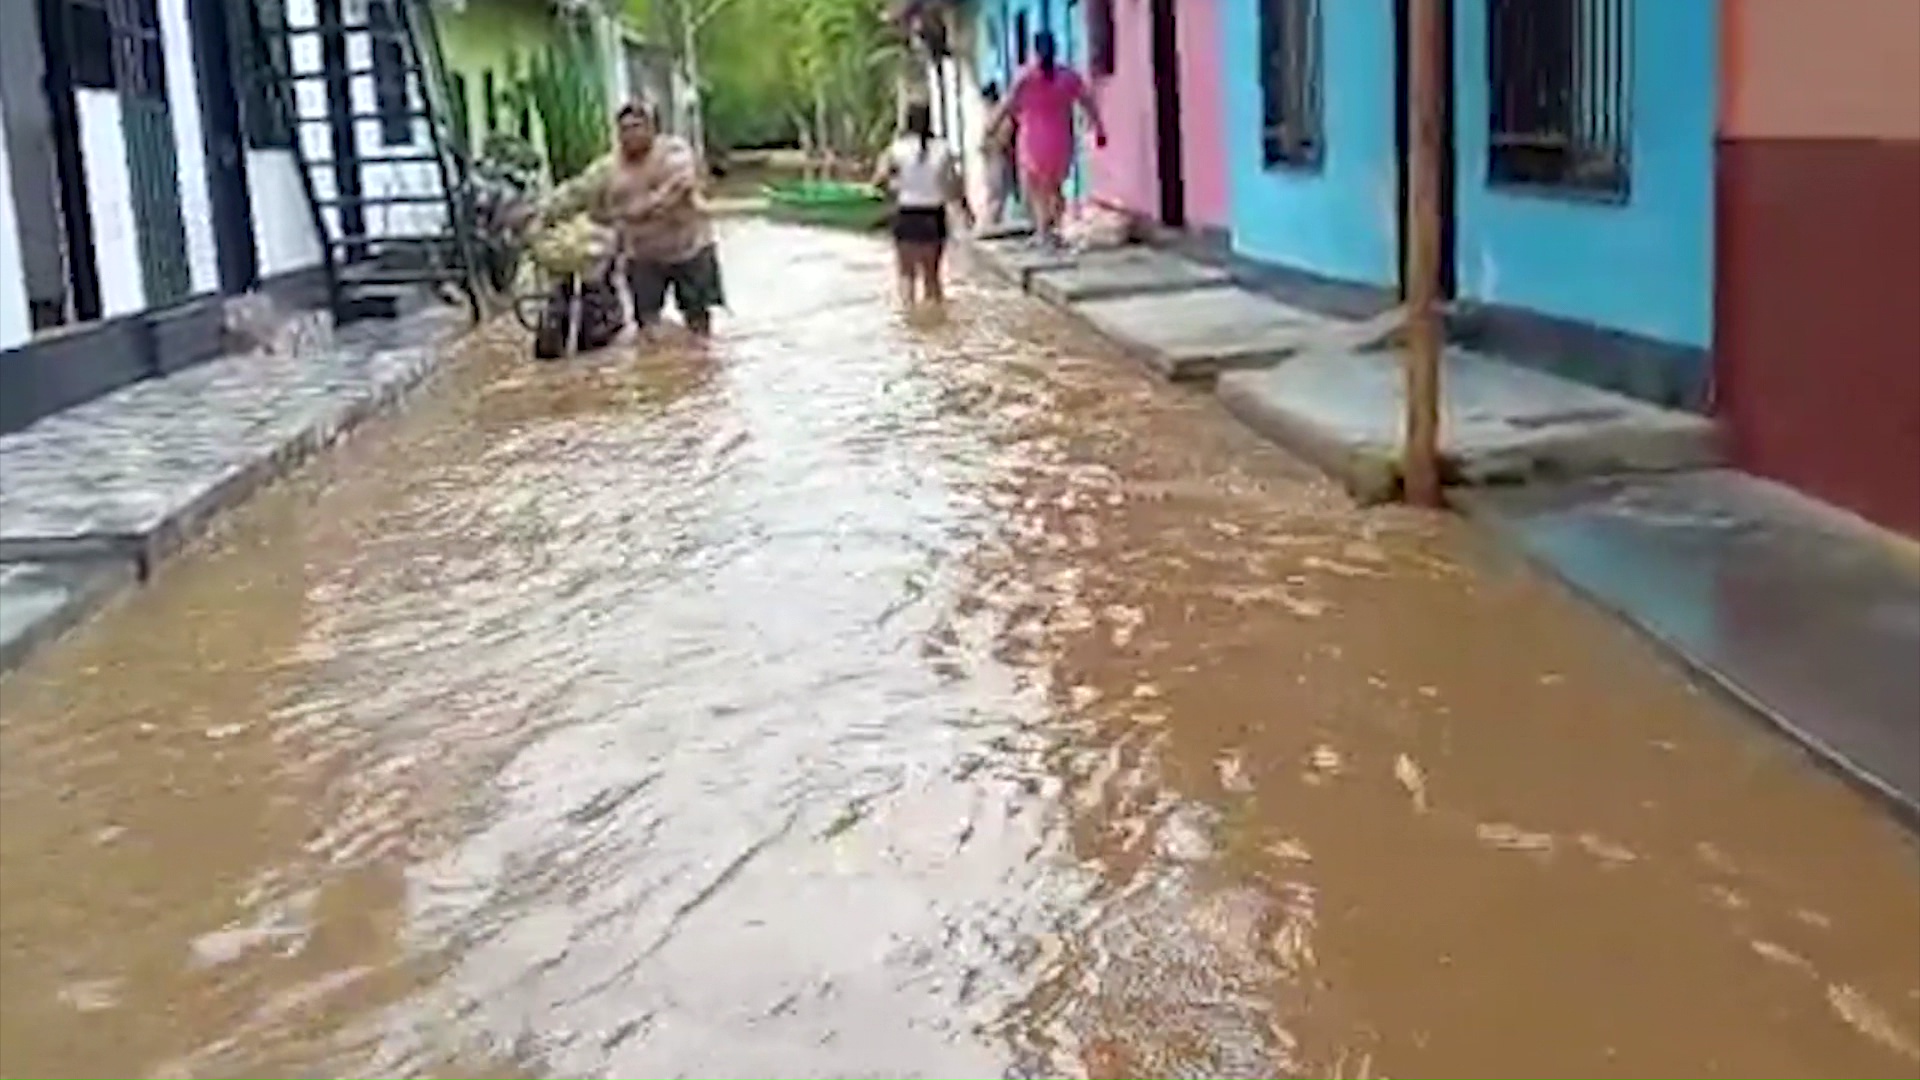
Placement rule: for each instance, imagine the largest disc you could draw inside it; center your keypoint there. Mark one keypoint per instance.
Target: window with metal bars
(1559, 75)
(257, 29)
(1293, 123)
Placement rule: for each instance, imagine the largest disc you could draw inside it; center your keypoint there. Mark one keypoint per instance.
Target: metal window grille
(1293, 128)
(1560, 90)
(258, 30)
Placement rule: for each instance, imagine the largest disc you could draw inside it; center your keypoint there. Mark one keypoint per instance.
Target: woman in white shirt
(924, 180)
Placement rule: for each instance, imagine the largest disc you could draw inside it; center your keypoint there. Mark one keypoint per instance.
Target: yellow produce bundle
(571, 247)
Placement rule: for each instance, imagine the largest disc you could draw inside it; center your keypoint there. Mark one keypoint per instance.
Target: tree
(822, 71)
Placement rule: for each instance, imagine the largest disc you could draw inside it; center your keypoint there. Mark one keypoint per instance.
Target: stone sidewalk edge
(143, 556)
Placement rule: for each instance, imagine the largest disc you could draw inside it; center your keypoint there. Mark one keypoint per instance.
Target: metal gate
(153, 169)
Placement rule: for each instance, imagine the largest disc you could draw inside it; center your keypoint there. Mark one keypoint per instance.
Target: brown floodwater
(871, 697)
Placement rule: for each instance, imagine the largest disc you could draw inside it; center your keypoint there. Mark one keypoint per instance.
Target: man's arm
(578, 195)
(678, 181)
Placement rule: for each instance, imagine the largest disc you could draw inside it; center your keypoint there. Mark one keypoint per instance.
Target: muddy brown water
(871, 698)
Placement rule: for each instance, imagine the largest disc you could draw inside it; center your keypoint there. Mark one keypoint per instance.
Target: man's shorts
(695, 283)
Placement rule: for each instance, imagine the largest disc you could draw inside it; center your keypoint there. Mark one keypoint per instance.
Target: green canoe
(827, 202)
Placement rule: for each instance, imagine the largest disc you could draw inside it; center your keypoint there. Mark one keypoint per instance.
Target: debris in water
(1233, 774)
(91, 995)
(1782, 955)
(1513, 838)
(1408, 772)
(1324, 759)
(1084, 696)
(1341, 569)
(1863, 1016)
(1146, 691)
(1715, 858)
(1727, 898)
(1289, 850)
(1813, 918)
(1305, 607)
(1606, 850)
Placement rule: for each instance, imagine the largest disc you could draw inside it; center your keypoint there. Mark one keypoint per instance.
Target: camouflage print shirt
(654, 205)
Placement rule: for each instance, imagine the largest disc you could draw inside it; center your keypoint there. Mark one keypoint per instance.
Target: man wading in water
(648, 192)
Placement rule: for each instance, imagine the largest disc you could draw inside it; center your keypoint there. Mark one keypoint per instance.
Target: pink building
(1155, 67)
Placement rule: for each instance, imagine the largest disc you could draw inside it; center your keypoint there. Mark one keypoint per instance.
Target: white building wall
(15, 326)
(282, 222)
(183, 103)
(116, 245)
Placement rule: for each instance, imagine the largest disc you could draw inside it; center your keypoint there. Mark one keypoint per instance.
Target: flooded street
(863, 698)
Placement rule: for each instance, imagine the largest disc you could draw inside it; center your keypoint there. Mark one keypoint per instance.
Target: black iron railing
(1293, 125)
(1559, 76)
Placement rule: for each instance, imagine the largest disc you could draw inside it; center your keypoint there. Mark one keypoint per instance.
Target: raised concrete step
(1808, 617)
(1122, 271)
(41, 601)
(1500, 423)
(94, 496)
(1197, 333)
(1015, 258)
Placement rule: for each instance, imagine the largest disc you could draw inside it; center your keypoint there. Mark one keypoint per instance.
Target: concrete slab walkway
(1122, 271)
(1501, 423)
(1810, 619)
(1197, 333)
(95, 496)
(1015, 258)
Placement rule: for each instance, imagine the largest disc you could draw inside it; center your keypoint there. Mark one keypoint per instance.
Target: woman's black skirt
(920, 225)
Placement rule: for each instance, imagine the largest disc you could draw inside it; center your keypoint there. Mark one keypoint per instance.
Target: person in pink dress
(1041, 105)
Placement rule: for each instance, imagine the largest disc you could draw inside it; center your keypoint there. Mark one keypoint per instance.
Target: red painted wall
(1817, 306)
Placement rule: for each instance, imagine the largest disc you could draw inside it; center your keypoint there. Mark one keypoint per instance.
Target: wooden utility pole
(1420, 463)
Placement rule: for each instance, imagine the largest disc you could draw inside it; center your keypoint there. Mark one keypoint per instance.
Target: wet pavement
(873, 697)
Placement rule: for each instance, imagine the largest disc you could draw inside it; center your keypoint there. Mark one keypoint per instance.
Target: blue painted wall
(1339, 221)
(994, 22)
(1645, 266)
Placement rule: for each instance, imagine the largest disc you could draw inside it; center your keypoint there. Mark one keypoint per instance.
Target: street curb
(1466, 503)
(93, 584)
(1188, 373)
(1371, 475)
(134, 559)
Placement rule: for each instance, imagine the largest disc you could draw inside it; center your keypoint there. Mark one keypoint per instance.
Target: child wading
(924, 179)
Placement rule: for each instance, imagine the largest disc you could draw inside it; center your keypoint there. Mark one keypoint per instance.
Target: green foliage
(568, 92)
(820, 72)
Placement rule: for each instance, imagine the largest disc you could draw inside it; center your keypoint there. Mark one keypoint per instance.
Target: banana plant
(569, 96)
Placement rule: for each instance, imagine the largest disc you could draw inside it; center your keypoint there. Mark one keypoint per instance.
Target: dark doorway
(226, 146)
(1166, 114)
(69, 41)
(1402, 133)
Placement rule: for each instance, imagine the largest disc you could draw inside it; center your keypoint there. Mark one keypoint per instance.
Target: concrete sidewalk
(1182, 318)
(1501, 423)
(94, 497)
(1808, 618)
